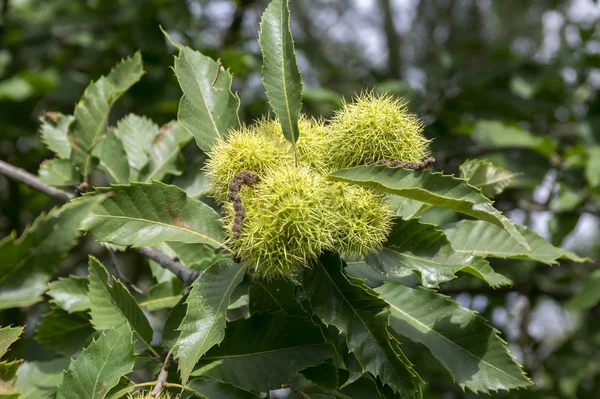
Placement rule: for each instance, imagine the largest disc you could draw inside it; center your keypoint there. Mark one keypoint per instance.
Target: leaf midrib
(271, 295)
(108, 357)
(285, 89)
(263, 352)
(360, 318)
(106, 288)
(81, 325)
(444, 338)
(161, 224)
(497, 180)
(212, 120)
(162, 163)
(214, 319)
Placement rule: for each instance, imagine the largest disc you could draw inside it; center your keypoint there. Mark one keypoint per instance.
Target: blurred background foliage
(514, 82)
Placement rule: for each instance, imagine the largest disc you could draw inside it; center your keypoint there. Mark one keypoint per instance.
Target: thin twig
(186, 275)
(160, 381)
(183, 273)
(34, 182)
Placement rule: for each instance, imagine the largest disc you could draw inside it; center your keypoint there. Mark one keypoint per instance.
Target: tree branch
(22, 176)
(186, 275)
(183, 273)
(393, 40)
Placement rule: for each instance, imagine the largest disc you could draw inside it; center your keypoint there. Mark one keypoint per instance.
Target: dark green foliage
(459, 301)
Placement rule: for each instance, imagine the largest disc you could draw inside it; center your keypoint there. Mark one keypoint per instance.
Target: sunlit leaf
(492, 180)
(164, 152)
(204, 323)
(40, 379)
(112, 305)
(30, 261)
(112, 157)
(137, 133)
(461, 340)
(194, 181)
(281, 77)
(8, 336)
(100, 366)
(147, 214)
(54, 131)
(208, 108)
(358, 312)
(417, 247)
(472, 237)
(70, 294)
(91, 112)
(58, 172)
(432, 188)
(164, 295)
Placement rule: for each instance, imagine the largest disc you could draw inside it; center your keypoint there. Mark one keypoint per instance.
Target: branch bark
(393, 40)
(22, 176)
(183, 273)
(17, 174)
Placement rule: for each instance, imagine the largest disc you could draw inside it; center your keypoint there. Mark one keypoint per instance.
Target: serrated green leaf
(165, 151)
(137, 133)
(194, 181)
(204, 323)
(8, 369)
(147, 214)
(405, 208)
(70, 293)
(272, 296)
(65, 333)
(59, 173)
(492, 180)
(208, 108)
(358, 312)
(281, 77)
(363, 387)
(172, 323)
(478, 238)
(263, 351)
(561, 225)
(210, 388)
(29, 261)
(91, 112)
(417, 247)
(112, 305)
(432, 188)
(8, 336)
(100, 366)
(54, 132)
(124, 386)
(460, 339)
(194, 256)
(164, 295)
(9, 391)
(589, 295)
(324, 375)
(39, 380)
(592, 167)
(112, 157)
